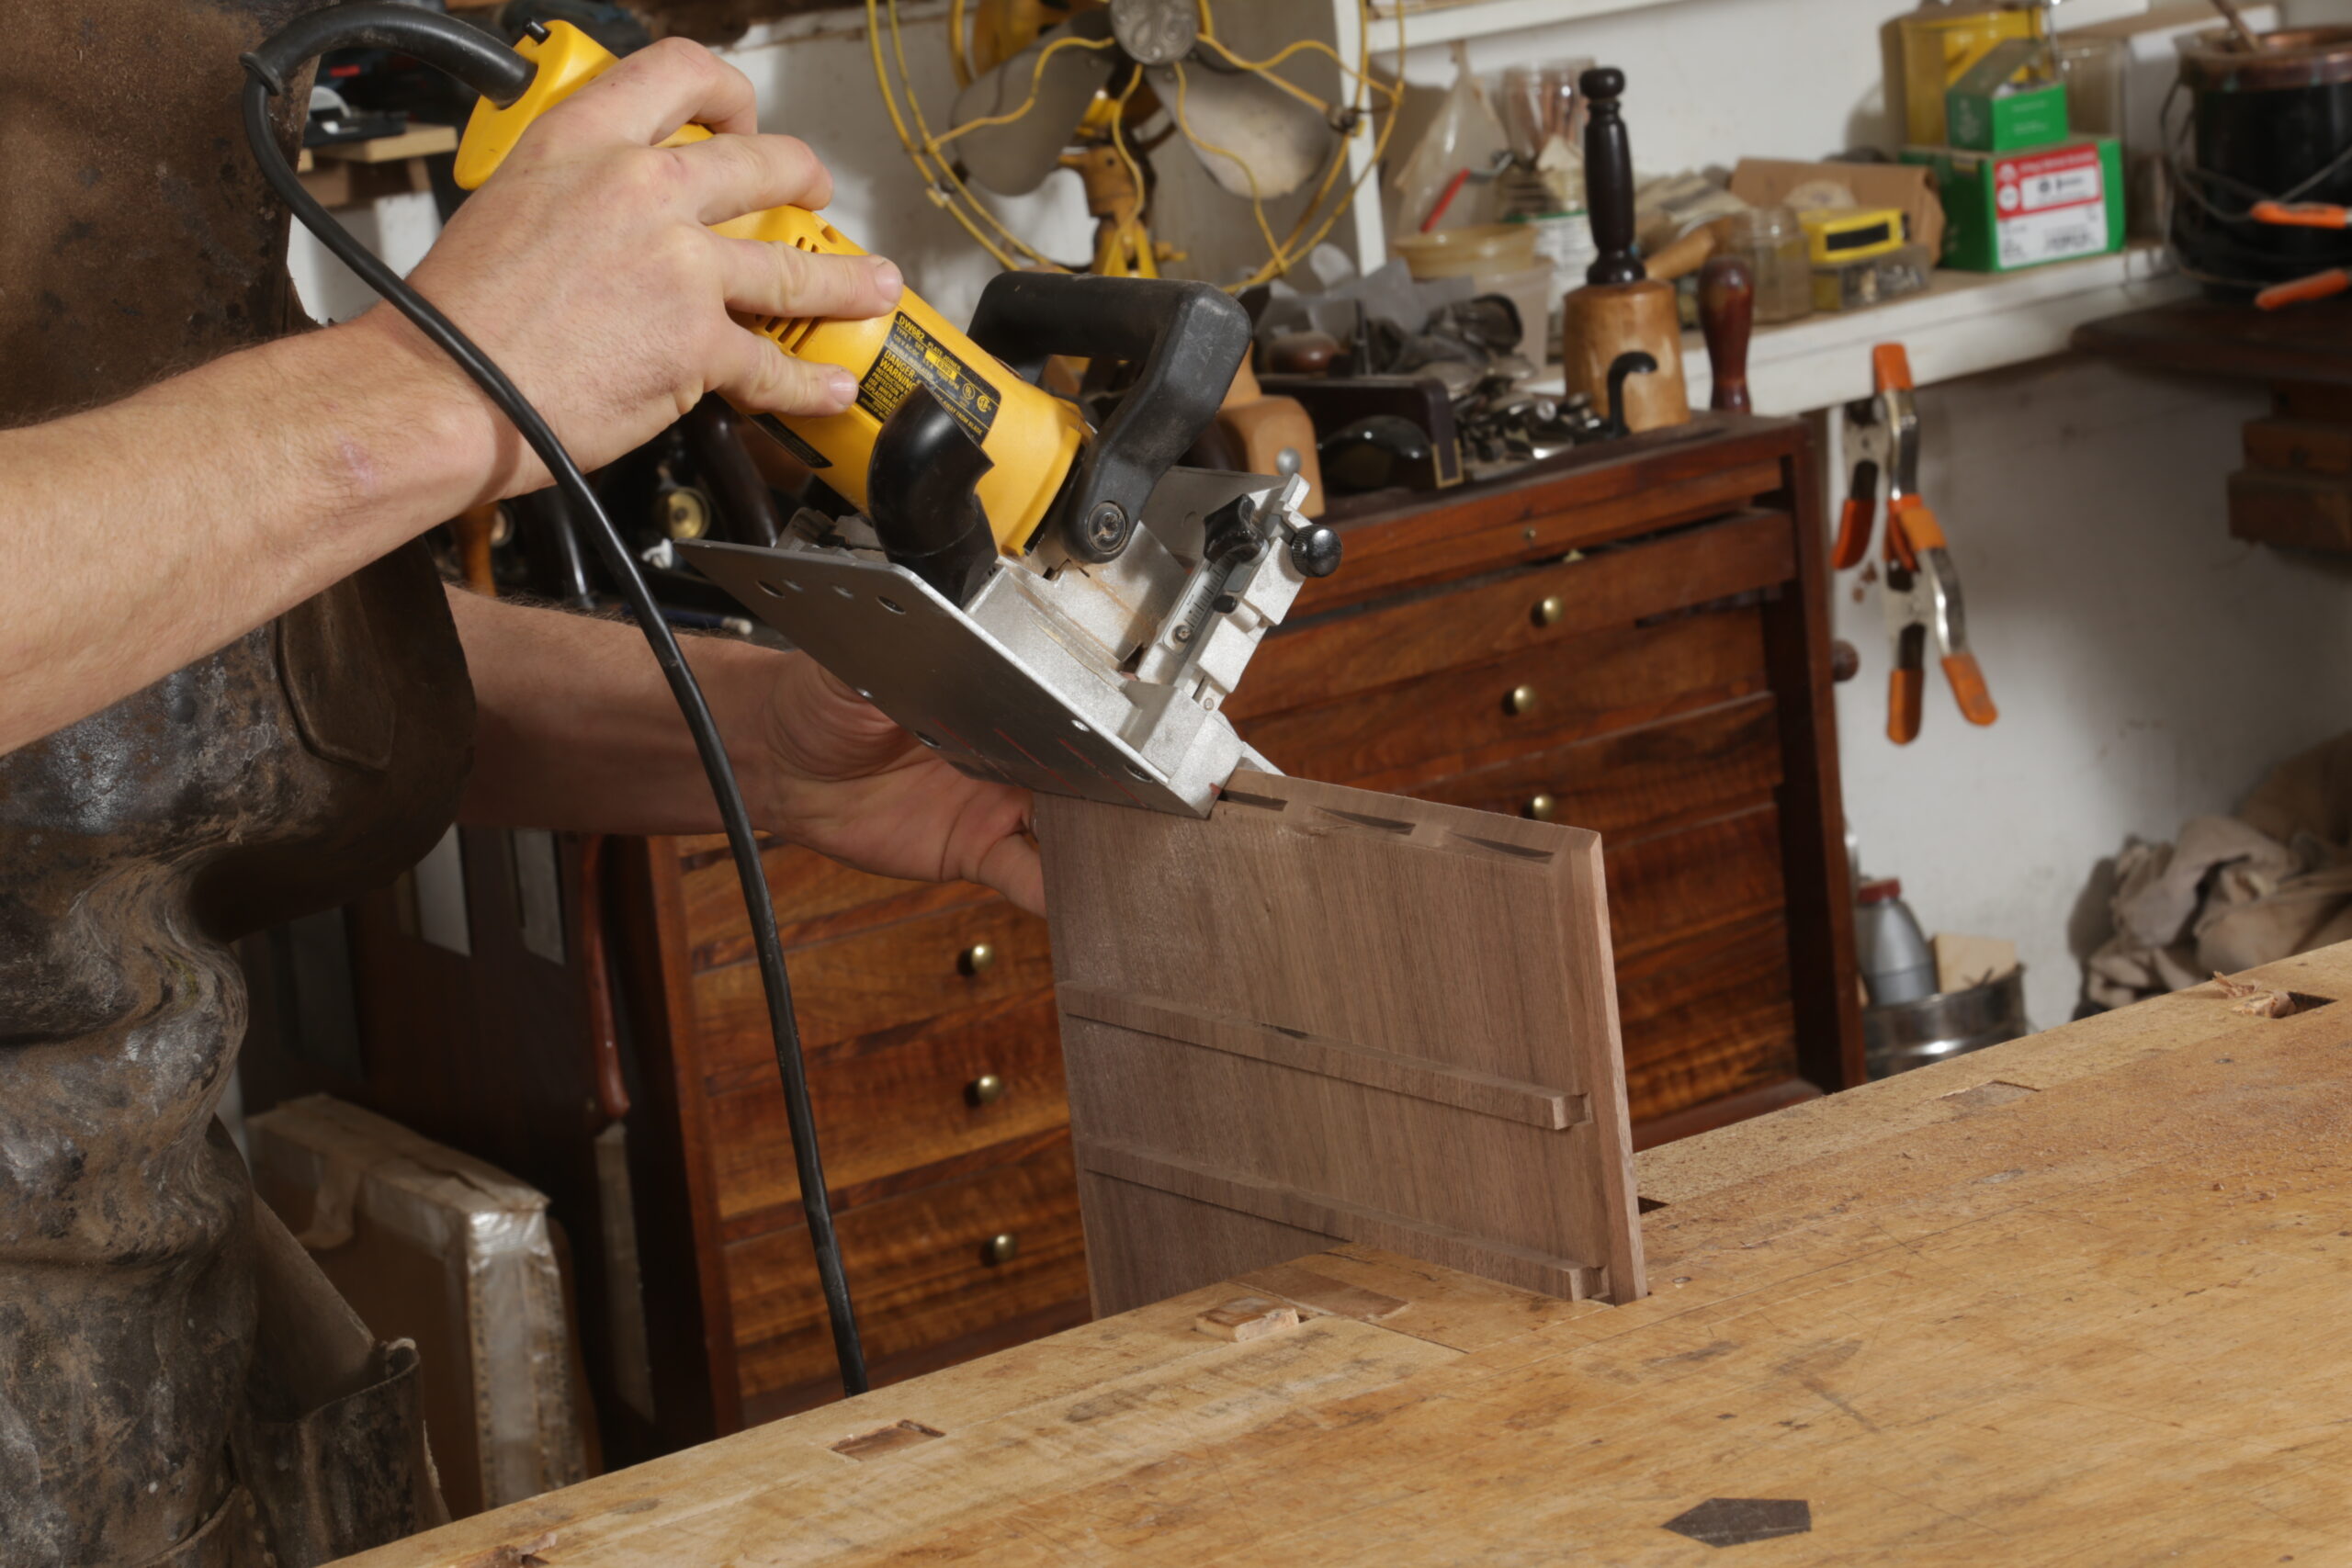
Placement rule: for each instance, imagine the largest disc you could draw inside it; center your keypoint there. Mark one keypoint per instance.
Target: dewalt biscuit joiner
(1079, 609)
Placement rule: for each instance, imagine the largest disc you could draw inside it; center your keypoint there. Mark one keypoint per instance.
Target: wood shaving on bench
(2260, 1001)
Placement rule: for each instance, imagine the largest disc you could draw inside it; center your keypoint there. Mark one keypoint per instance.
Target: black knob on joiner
(1316, 551)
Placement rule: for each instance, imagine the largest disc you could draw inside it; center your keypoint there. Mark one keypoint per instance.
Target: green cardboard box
(2007, 210)
(1988, 109)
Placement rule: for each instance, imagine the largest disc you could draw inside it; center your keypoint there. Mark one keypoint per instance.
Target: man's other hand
(850, 783)
(586, 268)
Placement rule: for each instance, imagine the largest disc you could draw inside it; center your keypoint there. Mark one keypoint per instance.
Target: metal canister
(1936, 43)
(1950, 1023)
(2273, 124)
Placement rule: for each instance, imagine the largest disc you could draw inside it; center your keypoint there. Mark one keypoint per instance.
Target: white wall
(2147, 667)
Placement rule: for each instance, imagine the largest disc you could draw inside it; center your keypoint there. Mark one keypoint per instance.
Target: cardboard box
(1989, 110)
(1767, 182)
(2009, 210)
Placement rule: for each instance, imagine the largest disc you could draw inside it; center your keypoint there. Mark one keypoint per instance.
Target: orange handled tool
(1922, 587)
(1881, 435)
(1923, 601)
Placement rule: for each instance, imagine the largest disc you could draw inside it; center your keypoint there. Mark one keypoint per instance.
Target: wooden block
(1245, 1318)
(2309, 512)
(417, 142)
(2310, 400)
(1320, 1292)
(1965, 961)
(2316, 446)
(1323, 1014)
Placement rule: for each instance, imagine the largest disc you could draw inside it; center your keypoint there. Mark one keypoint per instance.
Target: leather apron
(166, 1392)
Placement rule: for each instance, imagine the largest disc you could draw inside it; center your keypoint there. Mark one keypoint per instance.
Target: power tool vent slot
(791, 331)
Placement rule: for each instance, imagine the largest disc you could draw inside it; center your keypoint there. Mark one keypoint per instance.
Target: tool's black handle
(1185, 341)
(1609, 179)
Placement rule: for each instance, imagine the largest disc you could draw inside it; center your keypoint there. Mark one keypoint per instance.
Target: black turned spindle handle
(1609, 179)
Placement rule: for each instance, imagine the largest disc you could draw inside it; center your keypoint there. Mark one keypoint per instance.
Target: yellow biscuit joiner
(1031, 437)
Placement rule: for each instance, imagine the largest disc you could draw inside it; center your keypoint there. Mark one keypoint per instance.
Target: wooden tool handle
(1726, 317)
(1683, 257)
(1609, 179)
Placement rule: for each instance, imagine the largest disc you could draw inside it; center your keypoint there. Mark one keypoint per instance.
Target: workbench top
(2079, 1298)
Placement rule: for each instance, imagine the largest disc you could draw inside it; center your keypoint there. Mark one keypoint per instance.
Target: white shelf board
(1964, 323)
(1483, 18)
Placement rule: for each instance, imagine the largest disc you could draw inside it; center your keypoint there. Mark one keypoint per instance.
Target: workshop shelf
(1965, 323)
(1441, 23)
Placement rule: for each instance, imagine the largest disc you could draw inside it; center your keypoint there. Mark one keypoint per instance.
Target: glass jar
(1771, 241)
(2094, 71)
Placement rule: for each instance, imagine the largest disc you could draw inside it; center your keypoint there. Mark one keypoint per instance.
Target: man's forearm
(578, 729)
(149, 533)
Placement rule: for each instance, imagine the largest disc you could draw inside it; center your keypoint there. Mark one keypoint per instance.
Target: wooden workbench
(2086, 1297)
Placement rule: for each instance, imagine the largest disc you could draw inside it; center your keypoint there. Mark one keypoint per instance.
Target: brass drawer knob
(1548, 611)
(986, 1089)
(977, 959)
(1539, 807)
(1519, 700)
(1001, 1248)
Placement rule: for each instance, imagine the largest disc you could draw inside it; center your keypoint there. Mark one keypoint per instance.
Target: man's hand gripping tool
(1922, 589)
(1041, 602)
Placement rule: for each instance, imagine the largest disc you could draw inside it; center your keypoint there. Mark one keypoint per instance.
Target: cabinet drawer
(1714, 874)
(1324, 659)
(1401, 736)
(918, 1270)
(1707, 1017)
(810, 893)
(861, 985)
(890, 1107)
(1642, 780)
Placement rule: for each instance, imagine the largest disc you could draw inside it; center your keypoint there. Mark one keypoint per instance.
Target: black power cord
(500, 74)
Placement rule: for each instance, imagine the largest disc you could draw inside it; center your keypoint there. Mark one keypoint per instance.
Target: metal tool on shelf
(1921, 585)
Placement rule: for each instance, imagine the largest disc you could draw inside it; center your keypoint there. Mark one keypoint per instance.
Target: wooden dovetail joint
(2260, 1001)
(1245, 1318)
(887, 1439)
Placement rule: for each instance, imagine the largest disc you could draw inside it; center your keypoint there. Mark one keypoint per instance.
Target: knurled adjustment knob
(1316, 551)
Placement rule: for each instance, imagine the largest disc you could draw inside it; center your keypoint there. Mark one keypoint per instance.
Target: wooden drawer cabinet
(1632, 640)
(924, 1269)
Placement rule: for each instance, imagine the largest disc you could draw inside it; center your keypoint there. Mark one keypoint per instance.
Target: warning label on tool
(2050, 206)
(912, 358)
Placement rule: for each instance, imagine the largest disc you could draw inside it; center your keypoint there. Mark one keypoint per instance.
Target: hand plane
(1041, 602)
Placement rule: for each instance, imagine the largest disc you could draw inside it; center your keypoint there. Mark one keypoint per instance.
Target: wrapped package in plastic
(435, 1246)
